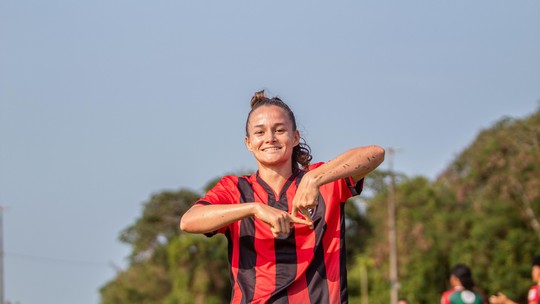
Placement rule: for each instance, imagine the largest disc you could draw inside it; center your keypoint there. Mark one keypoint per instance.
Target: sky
(104, 103)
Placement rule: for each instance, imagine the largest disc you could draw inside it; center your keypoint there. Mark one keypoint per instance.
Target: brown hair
(302, 152)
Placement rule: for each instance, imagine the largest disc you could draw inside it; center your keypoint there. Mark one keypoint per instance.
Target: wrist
(254, 209)
(313, 179)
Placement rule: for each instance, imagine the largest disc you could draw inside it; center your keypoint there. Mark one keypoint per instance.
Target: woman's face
(271, 137)
(535, 274)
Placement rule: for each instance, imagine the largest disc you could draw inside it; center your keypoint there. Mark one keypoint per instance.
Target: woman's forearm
(357, 163)
(204, 219)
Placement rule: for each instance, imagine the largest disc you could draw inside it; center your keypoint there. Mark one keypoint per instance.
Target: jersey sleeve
(346, 187)
(223, 193)
(445, 298)
(533, 296)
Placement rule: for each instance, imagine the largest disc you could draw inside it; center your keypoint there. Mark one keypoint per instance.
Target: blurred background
(116, 115)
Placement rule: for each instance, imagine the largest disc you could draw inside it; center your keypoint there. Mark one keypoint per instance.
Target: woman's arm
(356, 163)
(209, 218)
(500, 298)
(204, 219)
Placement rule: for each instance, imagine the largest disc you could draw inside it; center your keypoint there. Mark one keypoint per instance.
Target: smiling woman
(284, 123)
(285, 224)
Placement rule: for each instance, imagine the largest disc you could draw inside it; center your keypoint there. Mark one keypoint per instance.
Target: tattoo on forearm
(367, 167)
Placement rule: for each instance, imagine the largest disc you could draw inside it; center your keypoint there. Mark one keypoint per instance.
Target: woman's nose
(271, 137)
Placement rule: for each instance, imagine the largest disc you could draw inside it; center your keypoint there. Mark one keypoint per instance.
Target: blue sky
(103, 103)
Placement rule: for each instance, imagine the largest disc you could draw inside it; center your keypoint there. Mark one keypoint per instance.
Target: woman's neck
(275, 177)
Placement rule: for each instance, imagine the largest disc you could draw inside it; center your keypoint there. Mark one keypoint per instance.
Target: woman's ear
(296, 138)
(248, 143)
(454, 281)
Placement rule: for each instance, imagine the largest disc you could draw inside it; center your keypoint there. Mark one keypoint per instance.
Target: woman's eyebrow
(279, 124)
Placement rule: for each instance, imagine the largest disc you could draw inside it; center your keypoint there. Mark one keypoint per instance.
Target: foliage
(159, 222)
(139, 284)
(481, 211)
(199, 270)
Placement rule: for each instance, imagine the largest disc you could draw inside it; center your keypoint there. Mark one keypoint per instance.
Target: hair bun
(258, 97)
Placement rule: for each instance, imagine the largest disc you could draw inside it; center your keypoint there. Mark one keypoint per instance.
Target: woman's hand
(280, 222)
(306, 198)
(500, 298)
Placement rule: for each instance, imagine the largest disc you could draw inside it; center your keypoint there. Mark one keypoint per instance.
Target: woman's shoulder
(236, 178)
(314, 166)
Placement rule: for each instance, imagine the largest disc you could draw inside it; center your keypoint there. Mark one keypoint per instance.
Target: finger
(298, 220)
(275, 232)
(287, 227)
(283, 226)
(294, 211)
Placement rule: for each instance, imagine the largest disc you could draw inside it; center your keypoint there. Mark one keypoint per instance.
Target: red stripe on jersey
(332, 244)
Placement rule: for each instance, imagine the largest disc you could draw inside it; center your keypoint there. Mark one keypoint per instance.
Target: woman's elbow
(186, 223)
(183, 226)
(377, 154)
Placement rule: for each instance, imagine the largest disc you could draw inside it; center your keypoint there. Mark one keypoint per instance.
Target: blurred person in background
(534, 292)
(462, 291)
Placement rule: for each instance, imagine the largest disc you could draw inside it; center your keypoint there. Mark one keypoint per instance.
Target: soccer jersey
(305, 266)
(534, 294)
(459, 295)
(465, 297)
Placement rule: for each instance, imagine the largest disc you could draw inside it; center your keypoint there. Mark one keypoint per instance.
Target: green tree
(149, 278)
(481, 211)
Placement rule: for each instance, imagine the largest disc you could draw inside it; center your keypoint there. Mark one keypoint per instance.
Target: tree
(152, 273)
(480, 211)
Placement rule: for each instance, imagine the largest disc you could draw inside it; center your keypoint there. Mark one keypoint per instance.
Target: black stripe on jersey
(316, 273)
(279, 298)
(230, 252)
(247, 256)
(357, 188)
(343, 257)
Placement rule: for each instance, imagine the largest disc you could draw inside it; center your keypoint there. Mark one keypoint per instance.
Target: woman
(462, 287)
(285, 224)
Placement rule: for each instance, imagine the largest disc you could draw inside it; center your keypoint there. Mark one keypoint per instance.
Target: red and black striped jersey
(305, 266)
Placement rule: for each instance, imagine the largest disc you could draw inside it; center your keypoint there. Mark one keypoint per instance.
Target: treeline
(483, 211)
